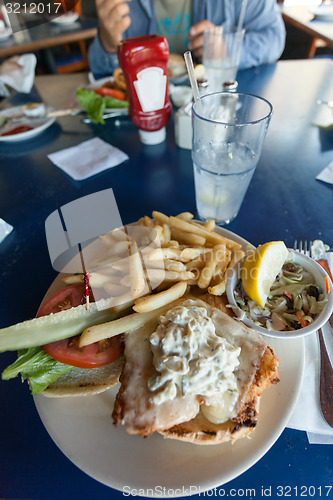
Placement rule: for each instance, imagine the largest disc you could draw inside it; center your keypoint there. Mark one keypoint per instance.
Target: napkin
(5, 229)
(307, 415)
(19, 72)
(326, 175)
(88, 158)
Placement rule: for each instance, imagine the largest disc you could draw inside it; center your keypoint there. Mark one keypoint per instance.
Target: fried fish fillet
(181, 418)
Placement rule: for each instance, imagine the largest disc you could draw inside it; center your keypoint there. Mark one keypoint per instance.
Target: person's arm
(114, 19)
(265, 34)
(101, 63)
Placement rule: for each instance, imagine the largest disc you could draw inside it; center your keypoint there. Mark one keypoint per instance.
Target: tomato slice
(91, 356)
(68, 351)
(106, 91)
(68, 297)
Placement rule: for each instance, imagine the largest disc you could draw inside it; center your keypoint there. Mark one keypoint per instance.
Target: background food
(176, 66)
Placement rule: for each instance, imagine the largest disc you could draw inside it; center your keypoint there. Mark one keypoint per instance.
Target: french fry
(148, 221)
(125, 280)
(139, 284)
(96, 279)
(190, 253)
(119, 234)
(152, 302)
(161, 275)
(118, 250)
(210, 237)
(218, 289)
(236, 257)
(160, 217)
(167, 264)
(166, 234)
(222, 265)
(174, 265)
(107, 239)
(117, 326)
(172, 244)
(185, 216)
(73, 279)
(156, 275)
(114, 290)
(196, 264)
(158, 234)
(210, 225)
(186, 237)
(125, 298)
(207, 271)
(121, 265)
(163, 253)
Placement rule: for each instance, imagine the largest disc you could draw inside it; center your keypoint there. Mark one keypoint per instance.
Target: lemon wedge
(260, 269)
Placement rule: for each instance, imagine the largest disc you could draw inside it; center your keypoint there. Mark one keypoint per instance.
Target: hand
(195, 39)
(114, 19)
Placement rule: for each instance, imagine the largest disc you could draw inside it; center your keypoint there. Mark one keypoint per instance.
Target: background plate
(29, 133)
(323, 12)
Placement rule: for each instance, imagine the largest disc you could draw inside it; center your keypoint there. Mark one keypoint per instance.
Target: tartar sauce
(190, 358)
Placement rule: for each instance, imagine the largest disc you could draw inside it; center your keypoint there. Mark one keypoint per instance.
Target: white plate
(82, 428)
(38, 127)
(323, 12)
(68, 18)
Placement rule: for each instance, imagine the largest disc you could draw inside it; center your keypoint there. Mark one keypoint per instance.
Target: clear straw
(242, 16)
(193, 80)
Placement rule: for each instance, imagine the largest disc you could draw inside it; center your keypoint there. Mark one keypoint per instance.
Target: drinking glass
(222, 49)
(229, 129)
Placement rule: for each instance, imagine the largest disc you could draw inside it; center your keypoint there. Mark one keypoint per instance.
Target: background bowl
(319, 275)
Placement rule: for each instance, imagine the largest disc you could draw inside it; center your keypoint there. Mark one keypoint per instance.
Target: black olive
(289, 301)
(313, 291)
(290, 267)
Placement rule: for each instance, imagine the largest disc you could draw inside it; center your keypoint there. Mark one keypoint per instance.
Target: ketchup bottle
(144, 62)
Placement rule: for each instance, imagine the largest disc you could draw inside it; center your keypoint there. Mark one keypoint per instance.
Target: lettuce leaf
(111, 102)
(38, 367)
(95, 104)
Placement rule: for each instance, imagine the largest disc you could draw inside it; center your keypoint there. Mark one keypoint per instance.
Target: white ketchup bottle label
(150, 88)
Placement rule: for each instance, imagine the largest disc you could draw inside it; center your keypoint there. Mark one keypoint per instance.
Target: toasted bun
(201, 431)
(86, 382)
(176, 66)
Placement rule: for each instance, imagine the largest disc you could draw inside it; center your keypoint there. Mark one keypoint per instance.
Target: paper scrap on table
(88, 158)
(326, 175)
(5, 229)
(323, 116)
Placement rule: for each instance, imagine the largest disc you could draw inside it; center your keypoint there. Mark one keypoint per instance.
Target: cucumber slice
(58, 326)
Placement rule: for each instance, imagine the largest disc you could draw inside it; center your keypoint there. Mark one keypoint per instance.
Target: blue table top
(284, 201)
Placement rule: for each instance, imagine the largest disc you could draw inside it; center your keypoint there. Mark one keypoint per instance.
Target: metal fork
(326, 369)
